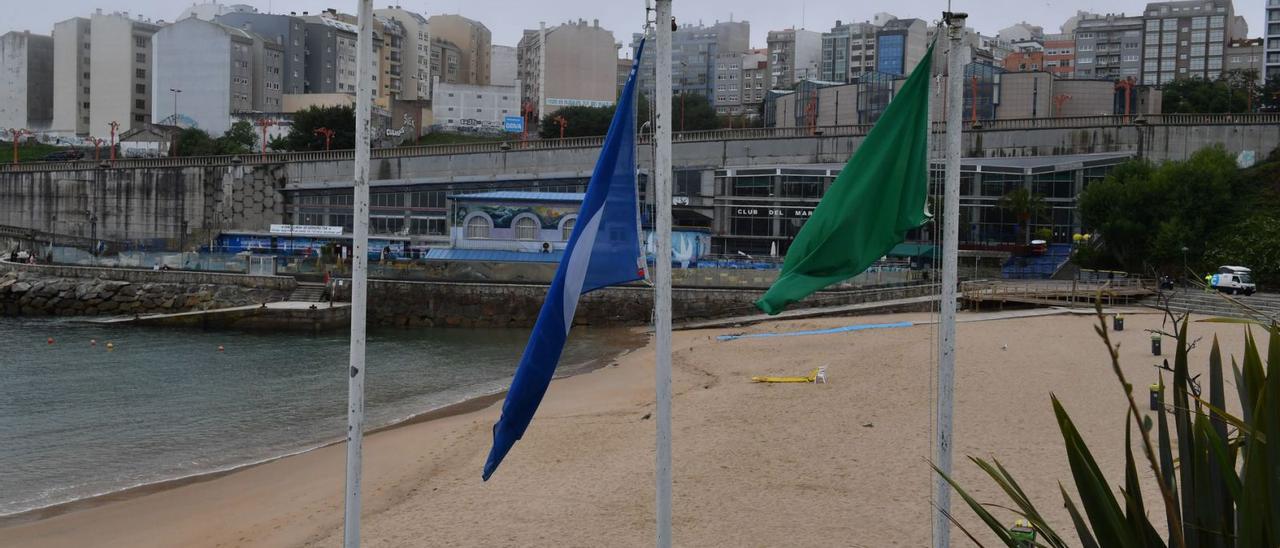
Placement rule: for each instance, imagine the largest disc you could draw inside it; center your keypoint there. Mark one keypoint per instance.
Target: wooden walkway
(980, 294)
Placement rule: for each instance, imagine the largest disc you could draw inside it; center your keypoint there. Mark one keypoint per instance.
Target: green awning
(905, 250)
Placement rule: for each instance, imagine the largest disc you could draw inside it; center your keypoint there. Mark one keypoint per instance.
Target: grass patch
(31, 152)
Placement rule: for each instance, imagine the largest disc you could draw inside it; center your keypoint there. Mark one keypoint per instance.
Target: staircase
(308, 293)
(1036, 267)
(1197, 301)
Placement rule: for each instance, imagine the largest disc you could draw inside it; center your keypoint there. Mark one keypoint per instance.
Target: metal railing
(644, 139)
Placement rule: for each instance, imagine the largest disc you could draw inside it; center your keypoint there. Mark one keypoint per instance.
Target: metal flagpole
(662, 267)
(956, 57)
(359, 274)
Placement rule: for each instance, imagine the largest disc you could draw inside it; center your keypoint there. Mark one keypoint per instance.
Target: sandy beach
(838, 464)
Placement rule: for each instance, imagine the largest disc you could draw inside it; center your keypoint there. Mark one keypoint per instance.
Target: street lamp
(175, 105)
(16, 134)
(1184, 261)
(114, 126)
(328, 136)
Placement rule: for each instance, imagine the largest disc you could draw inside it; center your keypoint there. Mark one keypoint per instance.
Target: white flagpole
(359, 274)
(662, 267)
(956, 57)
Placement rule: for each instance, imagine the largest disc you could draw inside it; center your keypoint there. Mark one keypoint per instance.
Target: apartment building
(1109, 47)
(740, 82)
(1060, 54)
(794, 55)
(474, 42)
(415, 53)
(289, 31)
(502, 65)
(575, 63)
(26, 81)
(102, 74)
(848, 51)
(389, 49)
(1187, 39)
(1244, 54)
(695, 52)
(218, 71)
(470, 108)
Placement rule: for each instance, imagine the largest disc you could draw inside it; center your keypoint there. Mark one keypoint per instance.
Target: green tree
(1234, 91)
(237, 140)
(1026, 207)
(1269, 95)
(341, 119)
(195, 142)
(1147, 214)
(693, 112)
(580, 121)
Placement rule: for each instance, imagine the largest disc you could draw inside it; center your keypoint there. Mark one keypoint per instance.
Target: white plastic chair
(821, 377)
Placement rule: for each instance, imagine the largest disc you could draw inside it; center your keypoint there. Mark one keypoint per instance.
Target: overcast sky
(506, 18)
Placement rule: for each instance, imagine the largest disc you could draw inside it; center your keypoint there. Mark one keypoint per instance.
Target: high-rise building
(445, 62)
(26, 81)
(1021, 32)
(1109, 47)
(794, 55)
(1187, 39)
(740, 82)
(502, 65)
(220, 70)
(1271, 48)
(389, 49)
(848, 51)
(71, 61)
(286, 30)
(575, 63)
(118, 72)
(900, 46)
(331, 54)
(694, 51)
(415, 53)
(473, 40)
(755, 75)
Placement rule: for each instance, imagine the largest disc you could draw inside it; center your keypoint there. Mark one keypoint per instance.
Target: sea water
(78, 419)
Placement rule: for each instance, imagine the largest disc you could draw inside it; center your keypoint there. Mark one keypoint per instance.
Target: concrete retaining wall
(439, 304)
(181, 277)
(23, 294)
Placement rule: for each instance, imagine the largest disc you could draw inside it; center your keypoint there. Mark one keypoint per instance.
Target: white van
(1234, 280)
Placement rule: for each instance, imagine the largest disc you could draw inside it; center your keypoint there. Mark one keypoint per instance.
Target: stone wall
(24, 294)
(444, 304)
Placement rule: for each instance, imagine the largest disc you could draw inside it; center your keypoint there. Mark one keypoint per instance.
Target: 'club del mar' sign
(306, 230)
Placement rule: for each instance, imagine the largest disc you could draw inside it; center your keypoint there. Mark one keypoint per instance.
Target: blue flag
(603, 250)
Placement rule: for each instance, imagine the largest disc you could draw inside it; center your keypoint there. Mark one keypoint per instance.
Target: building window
(140, 88)
(140, 57)
(140, 104)
(478, 228)
(566, 228)
(140, 73)
(140, 41)
(526, 228)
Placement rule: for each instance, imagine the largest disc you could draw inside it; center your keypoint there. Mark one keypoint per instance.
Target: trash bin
(1155, 344)
(1156, 390)
(1117, 322)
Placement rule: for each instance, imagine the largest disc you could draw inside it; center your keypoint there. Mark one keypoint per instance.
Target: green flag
(878, 196)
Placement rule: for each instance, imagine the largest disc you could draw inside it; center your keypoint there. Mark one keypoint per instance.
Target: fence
(682, 137)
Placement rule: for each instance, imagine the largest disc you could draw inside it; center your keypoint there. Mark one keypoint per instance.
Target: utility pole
(957, 54)
(662, 269)
(359, 275)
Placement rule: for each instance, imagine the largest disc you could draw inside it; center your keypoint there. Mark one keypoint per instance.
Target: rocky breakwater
(27, 295)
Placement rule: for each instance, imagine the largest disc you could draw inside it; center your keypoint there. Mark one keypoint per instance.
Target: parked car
(64, 155)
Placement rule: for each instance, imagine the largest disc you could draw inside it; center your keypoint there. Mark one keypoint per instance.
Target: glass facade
(891, 53)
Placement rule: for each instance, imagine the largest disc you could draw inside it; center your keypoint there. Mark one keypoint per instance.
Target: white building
(209, 10)
(1271, 47)
(26, 81)
(578, 67)
(102, 74)
(468, 108)
(220, 70)
(502, 65)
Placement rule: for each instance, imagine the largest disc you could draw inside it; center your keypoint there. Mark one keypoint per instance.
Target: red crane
(114, 126)
(562, 123)
(97, 147)
(328, 136)
(16, 134)
(265, 123)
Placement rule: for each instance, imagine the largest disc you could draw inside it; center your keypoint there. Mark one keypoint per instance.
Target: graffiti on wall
(503, 215)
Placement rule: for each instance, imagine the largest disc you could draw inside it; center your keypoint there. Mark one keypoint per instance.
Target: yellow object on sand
(813, 377)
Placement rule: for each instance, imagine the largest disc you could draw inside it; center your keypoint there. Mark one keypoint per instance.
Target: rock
(127, 290)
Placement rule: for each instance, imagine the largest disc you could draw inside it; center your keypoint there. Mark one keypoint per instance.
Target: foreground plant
(1223, 488)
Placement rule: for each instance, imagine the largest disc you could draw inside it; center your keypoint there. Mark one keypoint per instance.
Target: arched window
(526, 228)
(478, 228)
(566, 229)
